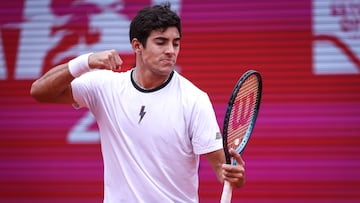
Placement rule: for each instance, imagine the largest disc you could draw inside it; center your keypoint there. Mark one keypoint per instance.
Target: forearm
(216, 160)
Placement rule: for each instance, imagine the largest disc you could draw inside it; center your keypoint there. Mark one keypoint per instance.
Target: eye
(160, 42)
(176, 44)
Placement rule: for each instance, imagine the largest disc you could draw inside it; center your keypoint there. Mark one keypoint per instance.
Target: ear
(136, 46)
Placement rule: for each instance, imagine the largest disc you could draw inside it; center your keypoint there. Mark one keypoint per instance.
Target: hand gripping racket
(240, 117)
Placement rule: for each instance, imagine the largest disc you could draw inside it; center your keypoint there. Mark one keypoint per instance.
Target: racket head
(241, 112)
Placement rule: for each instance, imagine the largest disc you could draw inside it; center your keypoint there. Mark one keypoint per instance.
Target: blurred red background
(305, 146)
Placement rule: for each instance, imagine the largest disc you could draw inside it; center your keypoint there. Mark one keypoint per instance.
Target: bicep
(66, 97)
(54, 86)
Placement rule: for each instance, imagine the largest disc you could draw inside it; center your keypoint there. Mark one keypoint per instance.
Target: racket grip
(227, 193)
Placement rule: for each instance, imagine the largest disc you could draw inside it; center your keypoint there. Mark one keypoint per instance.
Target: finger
(107, 63)
(234, 172)
(113, 66)
(235, 176)
(108, 60)
(118, 61)
(237, 157)
(114, 59)
(236, 182)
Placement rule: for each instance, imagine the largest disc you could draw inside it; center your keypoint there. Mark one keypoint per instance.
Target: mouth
(168, 61)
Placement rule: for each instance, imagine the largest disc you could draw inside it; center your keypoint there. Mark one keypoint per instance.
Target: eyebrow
(166, 39)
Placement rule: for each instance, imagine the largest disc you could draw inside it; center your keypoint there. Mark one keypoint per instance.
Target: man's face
(162, 49)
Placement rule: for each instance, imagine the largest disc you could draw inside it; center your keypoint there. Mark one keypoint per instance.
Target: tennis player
(154, 124)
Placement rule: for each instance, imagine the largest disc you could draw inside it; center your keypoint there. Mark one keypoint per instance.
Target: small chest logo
(142, 113)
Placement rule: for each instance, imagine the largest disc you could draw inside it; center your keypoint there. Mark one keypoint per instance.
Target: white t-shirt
(150, 139)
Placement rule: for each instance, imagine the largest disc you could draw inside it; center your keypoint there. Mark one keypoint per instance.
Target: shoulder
(189, 93)
(187, 85)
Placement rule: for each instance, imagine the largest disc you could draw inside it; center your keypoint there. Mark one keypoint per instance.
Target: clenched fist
(109, 59)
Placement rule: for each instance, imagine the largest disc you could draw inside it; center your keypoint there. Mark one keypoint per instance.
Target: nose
(170, 49)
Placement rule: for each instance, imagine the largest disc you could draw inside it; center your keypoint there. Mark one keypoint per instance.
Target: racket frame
(232, 99)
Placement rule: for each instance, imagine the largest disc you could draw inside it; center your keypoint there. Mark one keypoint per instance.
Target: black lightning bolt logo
(142, 113)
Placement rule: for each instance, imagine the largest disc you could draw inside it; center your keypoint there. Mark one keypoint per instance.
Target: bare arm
(234, 174)
(55, 85)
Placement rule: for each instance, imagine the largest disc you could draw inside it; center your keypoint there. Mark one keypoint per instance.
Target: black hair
(153, 18)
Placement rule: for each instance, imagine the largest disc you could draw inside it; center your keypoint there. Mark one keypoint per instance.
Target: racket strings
(242, 112)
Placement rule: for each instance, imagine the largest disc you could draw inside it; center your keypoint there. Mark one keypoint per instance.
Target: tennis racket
(240, 117)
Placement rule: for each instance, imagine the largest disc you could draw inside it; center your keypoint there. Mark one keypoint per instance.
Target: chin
(166, 70)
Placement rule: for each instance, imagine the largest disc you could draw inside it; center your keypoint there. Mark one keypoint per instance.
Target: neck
(147, 82)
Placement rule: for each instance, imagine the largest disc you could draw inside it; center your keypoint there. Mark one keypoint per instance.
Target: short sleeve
(79, 90)
(85, 88)
(205, 130)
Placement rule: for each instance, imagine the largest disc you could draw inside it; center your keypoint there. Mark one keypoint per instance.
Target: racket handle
(227, 193)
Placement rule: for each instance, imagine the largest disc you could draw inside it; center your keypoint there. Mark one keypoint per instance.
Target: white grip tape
(79, 65)
(227, 193)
